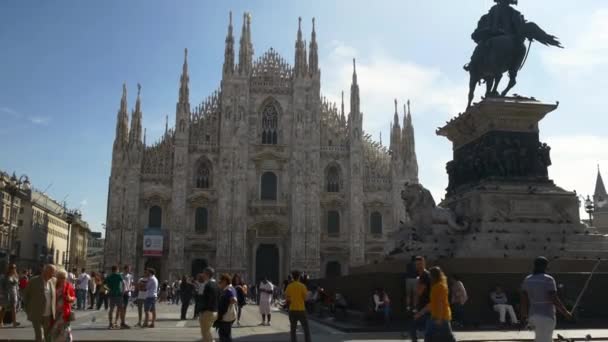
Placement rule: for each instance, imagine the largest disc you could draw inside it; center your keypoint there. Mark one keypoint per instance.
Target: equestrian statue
(500, 38)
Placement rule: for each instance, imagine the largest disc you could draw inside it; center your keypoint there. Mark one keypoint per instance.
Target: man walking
(208, 304)
(115, 290)
(296, 296)
(151, 294)
(539, 301)
(82, 290)
(39, 298)
(127, 282)
(423, 293)
(266, 290)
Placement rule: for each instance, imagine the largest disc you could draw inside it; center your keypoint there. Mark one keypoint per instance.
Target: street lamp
(589, 208)
(13, 186)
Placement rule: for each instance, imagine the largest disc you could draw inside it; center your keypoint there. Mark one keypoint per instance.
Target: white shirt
(127, 282)
(152, 287)
(266, 297)
(72, 278)
(83, 282)
(141, 294)
(47, 298)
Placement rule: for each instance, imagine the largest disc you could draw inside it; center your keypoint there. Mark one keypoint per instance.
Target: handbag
(230, 315)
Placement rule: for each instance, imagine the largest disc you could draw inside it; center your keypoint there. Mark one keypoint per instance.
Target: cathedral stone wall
(262, 177)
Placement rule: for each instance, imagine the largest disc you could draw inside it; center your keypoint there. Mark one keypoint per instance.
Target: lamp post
(13, 186)
(589, 208)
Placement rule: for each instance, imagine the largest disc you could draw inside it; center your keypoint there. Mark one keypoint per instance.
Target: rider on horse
(502, 19)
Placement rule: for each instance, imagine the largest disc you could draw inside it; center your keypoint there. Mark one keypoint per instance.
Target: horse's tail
(534, 32)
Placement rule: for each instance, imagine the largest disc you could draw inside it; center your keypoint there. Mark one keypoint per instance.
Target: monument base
(500, 191)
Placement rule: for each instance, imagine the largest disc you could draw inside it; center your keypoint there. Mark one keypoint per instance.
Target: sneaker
(262, 324)
(124, 326)
(268, 324)
(238, 323)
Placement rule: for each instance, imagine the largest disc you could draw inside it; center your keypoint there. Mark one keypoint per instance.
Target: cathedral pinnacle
(122, 120)
(396, 117)
(354, 94)
(354, 72)
(245, 46)
(300, 55)
(229, 50)
(184, 91)
(313, 58)
(136, 121)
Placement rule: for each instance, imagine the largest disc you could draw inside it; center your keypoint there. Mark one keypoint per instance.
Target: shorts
(125, 299)
(150, 304)
(115, 301)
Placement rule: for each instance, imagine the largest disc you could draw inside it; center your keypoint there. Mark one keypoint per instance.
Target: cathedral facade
(264, 176)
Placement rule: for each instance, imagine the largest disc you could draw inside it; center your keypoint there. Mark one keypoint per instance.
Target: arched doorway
(198, 266)
(267, 263)
(333, 269)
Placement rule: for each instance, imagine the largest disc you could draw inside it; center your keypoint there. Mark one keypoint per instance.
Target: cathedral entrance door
(267, 263)
(198, 266)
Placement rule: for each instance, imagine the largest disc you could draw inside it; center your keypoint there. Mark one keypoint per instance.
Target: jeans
(543, 328)
(81, 299)
(91, 299)
(102, 299)
(418, 325)
(458, 313)
(438, 331)
(294, 317)
(224, 330)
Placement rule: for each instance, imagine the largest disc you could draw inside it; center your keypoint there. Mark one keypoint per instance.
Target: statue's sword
(580, 296)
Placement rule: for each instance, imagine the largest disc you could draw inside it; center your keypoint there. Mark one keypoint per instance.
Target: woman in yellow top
(438, 327)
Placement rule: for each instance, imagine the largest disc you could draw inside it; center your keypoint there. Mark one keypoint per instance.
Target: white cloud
(587, 50)
(10, 112)
(575, 159)
(39, 120)
(382, 78)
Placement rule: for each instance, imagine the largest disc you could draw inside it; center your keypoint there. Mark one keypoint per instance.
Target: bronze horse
(504, 53)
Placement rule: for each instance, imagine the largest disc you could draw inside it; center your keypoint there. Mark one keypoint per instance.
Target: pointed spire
(600, 194)
(409, 146)
(136, 118)
(144, 137)
(354, 96)
(166, 125)
(245, 46)
(380, 138)
(229, 50)
(184, 91)
(122, 120)
(300, 53)
(396, 116)
(313, 57)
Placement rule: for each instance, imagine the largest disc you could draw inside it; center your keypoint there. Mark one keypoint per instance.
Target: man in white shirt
(127, 280)
(82, 288)
(151, 294)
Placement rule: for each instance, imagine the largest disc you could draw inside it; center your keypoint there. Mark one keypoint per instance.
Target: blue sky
(62, 64)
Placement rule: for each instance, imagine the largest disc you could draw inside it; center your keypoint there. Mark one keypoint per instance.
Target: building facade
(79, 237)
(600, 204)
(43, 238)
(264, 176)
(94, 261)
(13, 191)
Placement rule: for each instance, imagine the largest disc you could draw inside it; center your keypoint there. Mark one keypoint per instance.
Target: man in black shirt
(423, 294)
(208, 304)
(411, 281)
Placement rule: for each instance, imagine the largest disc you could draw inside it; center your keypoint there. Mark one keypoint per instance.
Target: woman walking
(241, 296)
(9, 286)
(438, 328)
(226, 311)
(60, 327)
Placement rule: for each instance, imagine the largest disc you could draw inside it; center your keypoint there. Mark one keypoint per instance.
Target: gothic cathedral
(264, 176)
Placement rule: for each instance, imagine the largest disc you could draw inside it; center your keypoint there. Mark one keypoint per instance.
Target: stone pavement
(92, 326)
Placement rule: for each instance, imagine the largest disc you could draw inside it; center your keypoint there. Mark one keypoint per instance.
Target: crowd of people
(51, 298)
